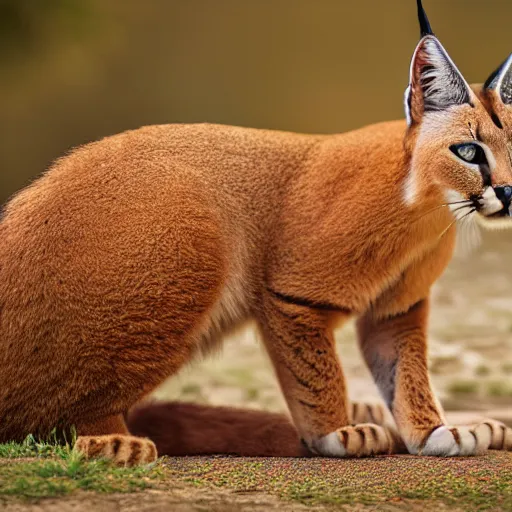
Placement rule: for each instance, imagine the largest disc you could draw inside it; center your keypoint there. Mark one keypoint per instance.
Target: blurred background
(73, 71)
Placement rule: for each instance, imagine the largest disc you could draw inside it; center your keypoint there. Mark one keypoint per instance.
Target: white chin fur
(494, 224)
(468, 231)
(469, 236)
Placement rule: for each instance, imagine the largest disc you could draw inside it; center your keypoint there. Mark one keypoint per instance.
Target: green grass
(36, 470)
(32, 448)
(499, 389)
(463, 387)
(33, 471)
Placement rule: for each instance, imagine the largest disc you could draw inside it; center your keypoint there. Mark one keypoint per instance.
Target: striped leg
(396, 352)
(369, 412)
(302, 349)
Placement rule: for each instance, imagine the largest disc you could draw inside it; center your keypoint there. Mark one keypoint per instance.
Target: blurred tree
(24, 23)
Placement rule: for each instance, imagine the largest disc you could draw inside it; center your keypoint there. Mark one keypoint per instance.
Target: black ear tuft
(501, 81)
(425, 28)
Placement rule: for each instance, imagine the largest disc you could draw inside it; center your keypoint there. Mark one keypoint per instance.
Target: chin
(494, 223)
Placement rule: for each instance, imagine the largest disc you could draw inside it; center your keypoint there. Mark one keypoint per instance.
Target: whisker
(458, 202)
(455, 220)
(460, 208)
(468, 214)
(467, 202)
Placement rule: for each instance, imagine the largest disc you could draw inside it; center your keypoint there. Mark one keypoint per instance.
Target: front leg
(395, 350)
(300, 343)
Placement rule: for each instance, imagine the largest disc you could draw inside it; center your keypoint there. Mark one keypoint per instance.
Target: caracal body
(134, 254)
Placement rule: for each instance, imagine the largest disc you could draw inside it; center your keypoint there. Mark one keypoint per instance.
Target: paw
(362, 440)
(375, 413)
(447, 441)
(463, 441)
(500, 436)
(121, 449)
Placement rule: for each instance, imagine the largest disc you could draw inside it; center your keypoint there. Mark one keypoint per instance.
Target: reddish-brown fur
(190, 429)
(135, 253)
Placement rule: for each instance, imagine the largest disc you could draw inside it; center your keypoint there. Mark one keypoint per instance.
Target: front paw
(500, 434)
(362, 440)
(464, 441)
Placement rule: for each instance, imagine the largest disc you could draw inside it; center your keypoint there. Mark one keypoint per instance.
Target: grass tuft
(53, 470)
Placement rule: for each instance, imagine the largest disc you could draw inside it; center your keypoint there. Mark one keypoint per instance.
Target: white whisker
(459, 216)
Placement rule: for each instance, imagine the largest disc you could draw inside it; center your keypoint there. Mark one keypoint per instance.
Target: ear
(501, 81)
(435, 83)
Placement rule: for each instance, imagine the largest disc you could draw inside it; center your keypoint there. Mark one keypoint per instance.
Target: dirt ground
(186, 500)
(391, 483)
(181, 498)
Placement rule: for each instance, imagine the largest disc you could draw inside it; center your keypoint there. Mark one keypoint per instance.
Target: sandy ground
(180, 499)
(209, 501)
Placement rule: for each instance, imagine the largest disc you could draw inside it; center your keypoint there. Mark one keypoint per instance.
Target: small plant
(499, 389)
(463, 387)
(252, 394)
(55, 470)
(507, 368)
(31, 447)
(482, 370)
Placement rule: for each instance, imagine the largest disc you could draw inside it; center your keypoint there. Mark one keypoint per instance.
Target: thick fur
(135, 253)
(191, 429)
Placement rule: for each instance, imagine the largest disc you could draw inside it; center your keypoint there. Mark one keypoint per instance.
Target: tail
(189, 429)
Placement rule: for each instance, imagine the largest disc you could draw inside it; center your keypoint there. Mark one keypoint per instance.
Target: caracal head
(456, 141)
(496, 96)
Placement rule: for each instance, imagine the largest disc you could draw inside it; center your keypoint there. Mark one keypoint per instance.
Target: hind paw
(362, 440)
(121, 449)
(367, 412)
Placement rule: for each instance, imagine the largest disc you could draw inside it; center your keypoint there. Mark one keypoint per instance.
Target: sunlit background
(73, 71)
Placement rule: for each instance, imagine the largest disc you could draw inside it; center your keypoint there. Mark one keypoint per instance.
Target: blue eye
(470, 153)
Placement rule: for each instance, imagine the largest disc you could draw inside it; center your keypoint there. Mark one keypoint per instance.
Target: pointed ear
(501, 81)
(435, 83)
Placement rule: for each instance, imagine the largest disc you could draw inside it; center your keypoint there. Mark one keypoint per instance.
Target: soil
(394, 483)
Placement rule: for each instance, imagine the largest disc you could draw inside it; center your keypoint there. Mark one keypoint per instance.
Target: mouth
(504, 212)
(494, 204)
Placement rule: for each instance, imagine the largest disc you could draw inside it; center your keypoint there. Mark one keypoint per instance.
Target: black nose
(504, 194)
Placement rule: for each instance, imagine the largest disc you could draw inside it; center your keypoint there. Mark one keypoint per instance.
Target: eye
(470, 153)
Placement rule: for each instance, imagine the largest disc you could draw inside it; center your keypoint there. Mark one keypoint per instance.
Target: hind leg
(370, 412)
(109, 438)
